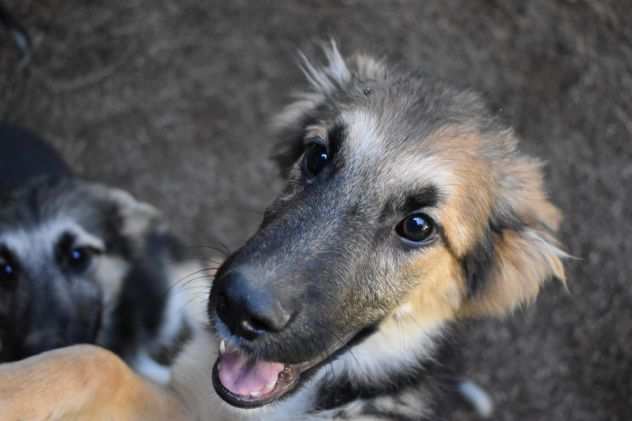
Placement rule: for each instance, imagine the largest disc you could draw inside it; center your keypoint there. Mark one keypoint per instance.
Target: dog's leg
(82, 382)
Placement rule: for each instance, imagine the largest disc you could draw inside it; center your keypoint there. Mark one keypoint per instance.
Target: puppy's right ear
(290, 128)
(325, 80)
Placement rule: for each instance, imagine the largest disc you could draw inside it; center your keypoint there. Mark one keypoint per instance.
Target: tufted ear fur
(325, 81)
(518, 251)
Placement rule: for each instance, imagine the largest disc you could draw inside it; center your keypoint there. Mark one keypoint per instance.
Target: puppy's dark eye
(417, 227)
(316, 157)
(78, 259)
(8, 271)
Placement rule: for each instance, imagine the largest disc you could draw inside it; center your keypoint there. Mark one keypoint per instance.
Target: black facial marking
(480, 260)
(508, 221)
(336, 135)
(426, 197)
(64, 244)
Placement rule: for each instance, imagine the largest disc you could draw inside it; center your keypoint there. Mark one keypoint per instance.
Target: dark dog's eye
(77, 259)
(417, 227)
(316, 157)
(8, 271)
(9, 268)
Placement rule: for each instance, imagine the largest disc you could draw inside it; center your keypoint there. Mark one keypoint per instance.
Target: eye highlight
(316, 157)
(74, 258)
(416, 228)
(9, 270)
(79, 258)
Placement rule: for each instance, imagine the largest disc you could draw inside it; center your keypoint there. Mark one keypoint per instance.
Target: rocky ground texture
(170, 99)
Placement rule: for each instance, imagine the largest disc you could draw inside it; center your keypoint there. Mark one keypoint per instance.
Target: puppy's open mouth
(247, 382)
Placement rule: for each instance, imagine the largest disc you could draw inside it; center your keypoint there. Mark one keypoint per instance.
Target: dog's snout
(249, 311)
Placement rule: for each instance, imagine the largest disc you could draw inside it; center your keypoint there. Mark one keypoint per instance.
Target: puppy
(83, 263)
(407, 208)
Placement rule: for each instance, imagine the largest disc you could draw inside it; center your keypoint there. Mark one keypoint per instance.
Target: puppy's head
(407, 206)
(65, 248)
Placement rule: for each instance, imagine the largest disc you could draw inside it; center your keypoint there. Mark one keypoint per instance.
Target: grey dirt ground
(170, 100)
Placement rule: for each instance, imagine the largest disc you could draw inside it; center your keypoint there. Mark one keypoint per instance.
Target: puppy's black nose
(249, 311)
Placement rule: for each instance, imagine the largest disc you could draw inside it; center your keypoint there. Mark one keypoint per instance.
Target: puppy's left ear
(137, 219)
(133, 228)
(518, 251)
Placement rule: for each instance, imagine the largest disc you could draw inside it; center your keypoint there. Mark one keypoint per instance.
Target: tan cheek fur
(465, 213)
(440, 289)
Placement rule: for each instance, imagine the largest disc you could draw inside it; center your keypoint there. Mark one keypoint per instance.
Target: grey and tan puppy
(82, 263)
(407, 208)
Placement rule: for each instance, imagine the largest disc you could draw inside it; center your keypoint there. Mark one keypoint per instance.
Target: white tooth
(255, 394)
(222, 346)
(270, 386)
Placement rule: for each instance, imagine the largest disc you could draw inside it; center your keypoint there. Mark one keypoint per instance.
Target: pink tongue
(246, 377)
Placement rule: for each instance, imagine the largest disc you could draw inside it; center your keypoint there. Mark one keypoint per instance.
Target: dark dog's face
(406, 207)
(62, 259)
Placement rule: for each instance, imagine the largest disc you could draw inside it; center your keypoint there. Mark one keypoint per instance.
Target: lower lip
(236, 400)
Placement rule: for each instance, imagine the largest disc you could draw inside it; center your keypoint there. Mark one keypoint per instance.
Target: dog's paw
(477, 398)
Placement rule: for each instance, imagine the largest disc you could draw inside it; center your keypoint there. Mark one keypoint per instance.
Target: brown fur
(62, 384)
(524, 259)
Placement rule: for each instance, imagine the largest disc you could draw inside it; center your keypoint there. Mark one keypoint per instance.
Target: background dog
(83, 263)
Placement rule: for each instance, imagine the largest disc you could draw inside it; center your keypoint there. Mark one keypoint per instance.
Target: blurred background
(171, 99)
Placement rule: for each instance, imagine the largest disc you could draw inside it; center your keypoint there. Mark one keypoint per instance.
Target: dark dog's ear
(325, 81)
(133, 228)
(137, 219)
(518, 251)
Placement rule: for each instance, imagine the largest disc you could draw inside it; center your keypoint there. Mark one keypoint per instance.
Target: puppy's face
(406, 207)
(62, 259)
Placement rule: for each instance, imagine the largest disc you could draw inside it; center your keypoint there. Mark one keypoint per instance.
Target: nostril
(221, 302)
(250, 328)
(252, 325)
(256, 325)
